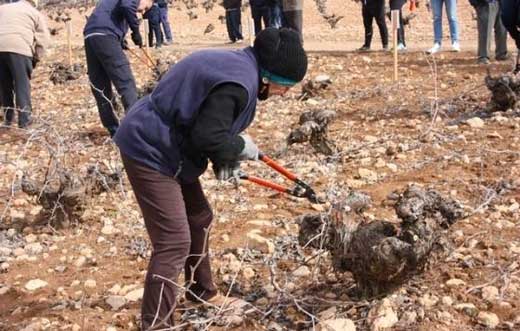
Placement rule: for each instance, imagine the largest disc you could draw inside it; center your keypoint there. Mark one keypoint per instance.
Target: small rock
(19, 251)
(408, 318)
(35, 284)
(115, 289)
(135, 295)
(447, 301)
(234, 320)
(328, 314)
(490, 293)
(383, 315)
(367, 174)
(116, 301)
(4, 267)
(428, 301)
(302, 271)
(340, 324)
(454, 282)
(263, 244)
(4, 290)
(90, 283)
(111, 328)
(475, 122)
(33, 249)
(30, 238)
(76, 327)
(488, 319)
(468, 309)
(108, 230)
(80, 261)
(248, 273)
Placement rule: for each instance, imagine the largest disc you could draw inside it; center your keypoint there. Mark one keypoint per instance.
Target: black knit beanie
(280, 52)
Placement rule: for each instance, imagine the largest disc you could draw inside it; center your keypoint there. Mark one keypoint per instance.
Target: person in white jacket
(23, 38)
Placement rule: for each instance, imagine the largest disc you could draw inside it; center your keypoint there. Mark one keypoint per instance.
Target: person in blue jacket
(107, 64)
(166, 140)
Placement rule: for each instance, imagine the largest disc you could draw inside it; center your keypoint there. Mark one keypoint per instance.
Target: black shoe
(25, 124)
(503, 57)
(364, 48)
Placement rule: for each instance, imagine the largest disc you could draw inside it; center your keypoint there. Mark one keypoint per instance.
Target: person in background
(510, 11)
(293, 15)
(153, 15)
(166, 141)
(24, 36)
(233, 20)
(259, 12)
(275, 13)
(165, 23)
(107, 64)
(374, 9)
(488, 19)
(451, 13)
(398, 5)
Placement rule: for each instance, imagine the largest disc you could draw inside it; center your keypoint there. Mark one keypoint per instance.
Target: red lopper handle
(267, 184)
(273, 164)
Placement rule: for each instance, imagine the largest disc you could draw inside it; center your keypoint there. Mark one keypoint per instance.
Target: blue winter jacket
(113, 17)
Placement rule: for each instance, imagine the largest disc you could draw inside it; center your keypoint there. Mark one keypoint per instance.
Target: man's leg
(229, 26)
(509, 16)
(101, 88)
(21, 69)
(367, 23)
(118, 69)
(294, 20)
(166, 24)
(256, 13)
(237, 25)
(162, 205)
(379, 14)
(484, 32)
(451, 12)
(6, 89)
(500, 34)
(198, 269)
(150, 32)
(437, 20)
(400, 31)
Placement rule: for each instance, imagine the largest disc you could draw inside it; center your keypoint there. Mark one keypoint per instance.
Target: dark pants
(294, 20)
(488, 19)
(153, 15)
(107, 65)
(177, 218)
(510, 14)
(233, 23)
(374, 9)
(259, 14)
(166, 23)
(15, 87)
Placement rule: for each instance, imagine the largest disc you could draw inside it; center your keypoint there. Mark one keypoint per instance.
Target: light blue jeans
(451, 12)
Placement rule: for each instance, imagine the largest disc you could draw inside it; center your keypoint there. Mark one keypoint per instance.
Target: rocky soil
(436, 129)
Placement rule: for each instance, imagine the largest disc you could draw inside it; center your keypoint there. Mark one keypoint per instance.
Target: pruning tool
(300, 190)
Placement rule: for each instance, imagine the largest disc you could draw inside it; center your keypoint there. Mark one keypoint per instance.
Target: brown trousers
(177, 218)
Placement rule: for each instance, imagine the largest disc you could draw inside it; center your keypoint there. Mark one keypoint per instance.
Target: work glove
(228, 172)
(124, 45)
(250, 151)
(137, 39)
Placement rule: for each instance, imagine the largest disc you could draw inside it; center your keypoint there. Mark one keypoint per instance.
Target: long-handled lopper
(300, 190)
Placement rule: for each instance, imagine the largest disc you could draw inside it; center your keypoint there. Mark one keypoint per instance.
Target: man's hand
(250, 151)
(137, 39)
(228, 172)
(124, 45)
